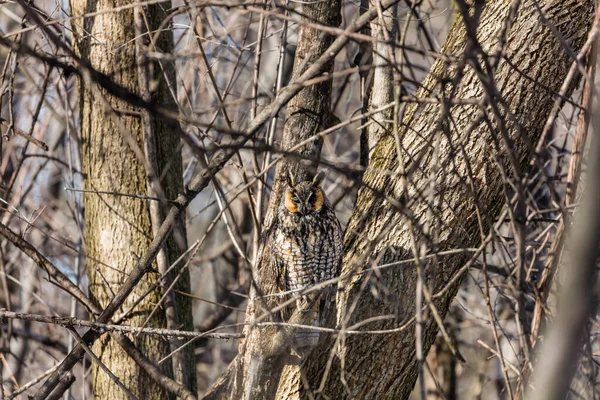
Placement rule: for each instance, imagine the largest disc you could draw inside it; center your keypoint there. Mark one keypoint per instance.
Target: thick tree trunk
(453, 174)
(118, 229)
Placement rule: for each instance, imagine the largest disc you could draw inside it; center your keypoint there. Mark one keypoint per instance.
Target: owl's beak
(305, 209)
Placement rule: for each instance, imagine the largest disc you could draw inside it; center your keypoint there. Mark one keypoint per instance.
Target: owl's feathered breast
(307, 247)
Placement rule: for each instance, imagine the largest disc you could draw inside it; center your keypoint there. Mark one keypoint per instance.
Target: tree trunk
(306, 114)
(441, 173)
(118, 229)
(383, 29)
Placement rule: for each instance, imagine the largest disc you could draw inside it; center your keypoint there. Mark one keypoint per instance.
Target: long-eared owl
(306, 239)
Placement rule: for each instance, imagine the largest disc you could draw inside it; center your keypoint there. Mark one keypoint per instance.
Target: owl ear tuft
(318, 179)
(290, 179)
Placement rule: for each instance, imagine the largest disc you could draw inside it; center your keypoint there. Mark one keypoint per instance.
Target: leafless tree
(144, 156)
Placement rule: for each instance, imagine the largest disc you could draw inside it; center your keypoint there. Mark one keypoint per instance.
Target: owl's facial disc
(304, 202)
(316, 199)
(291, 202)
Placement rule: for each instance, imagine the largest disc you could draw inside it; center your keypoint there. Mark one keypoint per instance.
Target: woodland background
(119, 118)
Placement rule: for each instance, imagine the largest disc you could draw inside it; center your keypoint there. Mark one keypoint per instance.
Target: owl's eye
(291, 202)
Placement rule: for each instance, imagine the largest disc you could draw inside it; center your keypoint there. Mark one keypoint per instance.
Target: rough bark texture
(467, 175)
(118, 229)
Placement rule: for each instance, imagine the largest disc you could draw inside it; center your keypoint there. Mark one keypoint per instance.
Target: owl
(306, 240)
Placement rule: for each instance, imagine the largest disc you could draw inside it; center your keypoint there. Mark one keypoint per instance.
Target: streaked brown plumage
(306, 240)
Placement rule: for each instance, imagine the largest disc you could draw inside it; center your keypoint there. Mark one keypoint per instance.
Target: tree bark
(453, 169)
(118, 229)
(266, 348)
(383, 29)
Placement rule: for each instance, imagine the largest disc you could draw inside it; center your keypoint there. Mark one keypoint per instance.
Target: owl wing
(327, 265)
(329, 253)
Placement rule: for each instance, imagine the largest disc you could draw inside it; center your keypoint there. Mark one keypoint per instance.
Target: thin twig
(69, 322)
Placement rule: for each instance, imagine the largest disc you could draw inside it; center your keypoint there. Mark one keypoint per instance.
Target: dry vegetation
(233, 61)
